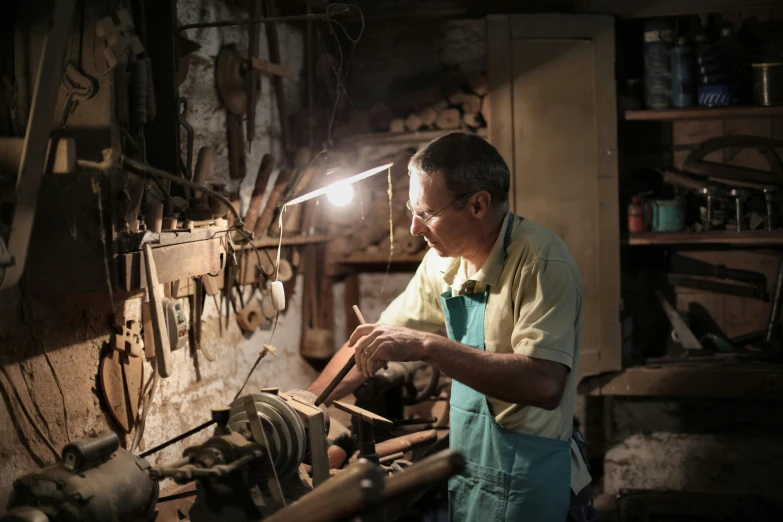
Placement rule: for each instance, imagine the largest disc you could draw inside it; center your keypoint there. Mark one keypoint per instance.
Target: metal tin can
(768, 83)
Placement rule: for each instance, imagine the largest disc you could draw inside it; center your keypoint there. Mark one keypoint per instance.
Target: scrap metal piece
(684, 333)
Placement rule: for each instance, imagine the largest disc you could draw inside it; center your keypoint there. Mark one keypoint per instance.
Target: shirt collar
(489, 274)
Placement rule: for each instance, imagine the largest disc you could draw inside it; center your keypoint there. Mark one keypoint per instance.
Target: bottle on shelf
(682, 74)
(657, 73)
(718, 69)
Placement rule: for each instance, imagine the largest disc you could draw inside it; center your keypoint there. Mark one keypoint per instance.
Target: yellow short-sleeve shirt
(534, 309)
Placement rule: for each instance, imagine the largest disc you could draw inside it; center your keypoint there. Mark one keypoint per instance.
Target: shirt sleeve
(548, 302)
(418, 307)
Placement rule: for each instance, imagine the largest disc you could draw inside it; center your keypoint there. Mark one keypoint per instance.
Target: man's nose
(417, 227)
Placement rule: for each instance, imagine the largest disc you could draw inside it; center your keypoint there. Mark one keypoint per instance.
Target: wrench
(77, 83)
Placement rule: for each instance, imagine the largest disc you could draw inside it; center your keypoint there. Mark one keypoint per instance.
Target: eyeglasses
(426, 218)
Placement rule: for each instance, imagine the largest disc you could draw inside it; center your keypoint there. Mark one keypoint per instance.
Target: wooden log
(471, 103)
(472, 120)
(478, 84)
(427, 116)
(454, 95)
(441, 104)
(380, 116)
(262, 179)
(397, 125)
(416, 100)
(206, 156)
(448, 119)
(413, 122)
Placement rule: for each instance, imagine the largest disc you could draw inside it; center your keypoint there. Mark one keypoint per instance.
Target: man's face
(449, 232)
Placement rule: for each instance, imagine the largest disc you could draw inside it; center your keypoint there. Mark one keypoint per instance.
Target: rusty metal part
(231, 80)
(259, 434)
(182, 117)
(406, 443)
(121, 377)
(33, 163)
(366, 420)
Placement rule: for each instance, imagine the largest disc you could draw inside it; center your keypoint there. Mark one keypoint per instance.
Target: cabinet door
(553, 118)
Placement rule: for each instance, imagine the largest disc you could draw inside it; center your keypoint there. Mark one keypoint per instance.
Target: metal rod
(177, 439)
(350, 363)
(259, 20)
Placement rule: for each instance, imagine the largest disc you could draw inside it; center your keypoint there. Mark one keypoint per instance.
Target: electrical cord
(27, 414)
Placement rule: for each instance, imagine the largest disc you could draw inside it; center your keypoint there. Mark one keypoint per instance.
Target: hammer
(155, 293)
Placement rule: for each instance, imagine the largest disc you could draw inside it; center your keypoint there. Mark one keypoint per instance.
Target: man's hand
(377, 344)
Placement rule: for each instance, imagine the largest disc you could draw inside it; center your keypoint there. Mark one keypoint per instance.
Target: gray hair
(468, 163)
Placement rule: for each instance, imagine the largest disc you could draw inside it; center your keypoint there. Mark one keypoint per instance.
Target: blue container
(718, 72)
(668, 215)
(657, 72)
(682, 74)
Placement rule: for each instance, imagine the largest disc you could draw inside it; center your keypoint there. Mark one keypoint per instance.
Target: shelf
(698, 113)
(363, 258)
(720, 380)
(376, 138)
(725, 237)
(267, 242)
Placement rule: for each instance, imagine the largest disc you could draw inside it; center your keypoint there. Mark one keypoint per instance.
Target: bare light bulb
(340, 194)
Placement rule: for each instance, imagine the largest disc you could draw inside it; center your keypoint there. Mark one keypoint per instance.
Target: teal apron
(509, 476)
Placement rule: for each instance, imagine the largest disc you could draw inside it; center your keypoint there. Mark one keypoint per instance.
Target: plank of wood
(682, 380)
(173, 262)
(159, 326)
(498, 107)
(717, 237)
(706, 113)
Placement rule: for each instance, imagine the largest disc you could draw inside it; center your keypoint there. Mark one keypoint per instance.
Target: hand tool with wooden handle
(275, 197)
(350, 363)
(262, 180)
(160, 330)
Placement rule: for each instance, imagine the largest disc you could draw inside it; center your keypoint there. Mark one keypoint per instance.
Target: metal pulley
(286, 437)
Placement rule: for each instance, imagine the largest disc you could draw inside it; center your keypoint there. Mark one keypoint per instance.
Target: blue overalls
(509, 476)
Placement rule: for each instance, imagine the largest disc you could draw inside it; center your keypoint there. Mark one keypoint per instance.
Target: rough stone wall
(74, 328)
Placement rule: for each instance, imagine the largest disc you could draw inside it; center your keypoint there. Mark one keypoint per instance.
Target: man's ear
(479, 204)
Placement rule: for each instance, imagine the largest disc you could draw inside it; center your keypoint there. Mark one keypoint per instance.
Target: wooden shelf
(725, 237)
(363, 258)
(267, 242)
(376, 138)
(722, 380)
(699, 113)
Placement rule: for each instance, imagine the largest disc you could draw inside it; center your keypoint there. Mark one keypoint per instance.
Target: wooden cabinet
(552, 115)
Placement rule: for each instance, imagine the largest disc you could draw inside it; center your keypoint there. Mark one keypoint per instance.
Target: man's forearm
(352, 381)
(505, 376)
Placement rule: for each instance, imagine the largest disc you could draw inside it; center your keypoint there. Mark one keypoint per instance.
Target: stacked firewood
(459, 106)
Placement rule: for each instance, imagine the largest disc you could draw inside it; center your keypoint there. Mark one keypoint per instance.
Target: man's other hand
(376, 344)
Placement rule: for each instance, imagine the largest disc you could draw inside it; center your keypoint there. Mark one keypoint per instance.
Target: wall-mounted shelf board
(363, 258)
(726, 237)
(703, 113)
(691, 380)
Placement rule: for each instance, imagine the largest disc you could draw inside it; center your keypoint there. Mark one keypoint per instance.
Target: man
(509, 294)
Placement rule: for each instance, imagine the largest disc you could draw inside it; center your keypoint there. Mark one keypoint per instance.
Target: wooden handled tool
(159, 327)
(262, 179)
(350, 363)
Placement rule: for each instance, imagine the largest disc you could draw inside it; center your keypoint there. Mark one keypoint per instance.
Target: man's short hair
(468, 163)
